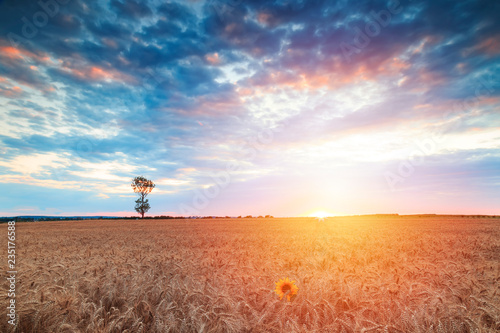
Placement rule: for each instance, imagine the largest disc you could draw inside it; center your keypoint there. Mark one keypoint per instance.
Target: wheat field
(357, 274)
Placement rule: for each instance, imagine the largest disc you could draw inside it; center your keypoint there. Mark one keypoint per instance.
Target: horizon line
(239, 216)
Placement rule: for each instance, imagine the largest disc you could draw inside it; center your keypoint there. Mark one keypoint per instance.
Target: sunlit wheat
(407, 274)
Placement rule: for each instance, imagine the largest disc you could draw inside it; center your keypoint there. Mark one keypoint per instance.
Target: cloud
(111, 89)
(14, 92)
(131, 8)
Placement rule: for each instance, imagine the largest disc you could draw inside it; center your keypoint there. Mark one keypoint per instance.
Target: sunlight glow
(320, 214)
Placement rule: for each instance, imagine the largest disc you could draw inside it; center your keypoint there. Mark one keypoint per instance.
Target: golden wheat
(359, 274)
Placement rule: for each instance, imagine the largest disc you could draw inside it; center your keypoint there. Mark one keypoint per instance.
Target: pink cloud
(213, 58)
(312, 80)
(264, 18)
(13, 92)
(489, 46)
(211, 105)
(95, 74)
(19, 54)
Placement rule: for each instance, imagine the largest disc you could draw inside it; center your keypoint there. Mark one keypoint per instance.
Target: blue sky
(250, 107)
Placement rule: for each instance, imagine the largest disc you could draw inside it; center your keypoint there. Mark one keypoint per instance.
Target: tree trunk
(143, 196)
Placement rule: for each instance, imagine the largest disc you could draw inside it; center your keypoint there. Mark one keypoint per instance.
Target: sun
(320, 214)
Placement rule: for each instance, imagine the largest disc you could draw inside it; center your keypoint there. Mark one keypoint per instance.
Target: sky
(253, 107)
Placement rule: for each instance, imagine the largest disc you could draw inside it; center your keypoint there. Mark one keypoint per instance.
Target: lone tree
(142, 187)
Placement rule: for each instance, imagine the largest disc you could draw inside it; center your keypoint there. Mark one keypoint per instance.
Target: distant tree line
(82, 218)
(257, 217)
